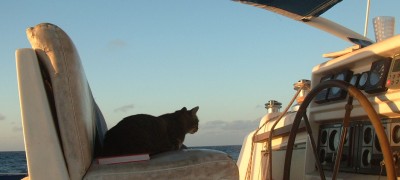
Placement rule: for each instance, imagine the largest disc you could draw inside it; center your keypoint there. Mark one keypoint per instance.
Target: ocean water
(14, 162)
(233, 150)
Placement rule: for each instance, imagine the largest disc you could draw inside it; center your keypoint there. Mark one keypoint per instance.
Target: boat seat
(63, 126)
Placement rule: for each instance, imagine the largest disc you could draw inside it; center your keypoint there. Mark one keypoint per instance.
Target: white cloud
(238, 125)
(116, 44)
(220, 132)
(125, 108)
(2, 117)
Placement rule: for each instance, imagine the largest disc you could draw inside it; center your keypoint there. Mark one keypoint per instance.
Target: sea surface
(233, 150)
(14, 162)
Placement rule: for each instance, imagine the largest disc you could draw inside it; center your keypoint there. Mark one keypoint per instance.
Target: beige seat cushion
(185, 164)
(73, 102)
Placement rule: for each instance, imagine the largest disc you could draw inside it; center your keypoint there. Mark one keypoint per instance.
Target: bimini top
(308, 12)
(296, 9)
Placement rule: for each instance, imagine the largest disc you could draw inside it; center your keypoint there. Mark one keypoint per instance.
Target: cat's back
(136, 134)
(139, 122)
(137, 118)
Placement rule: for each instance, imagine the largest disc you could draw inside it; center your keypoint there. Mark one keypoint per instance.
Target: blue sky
(156, 57)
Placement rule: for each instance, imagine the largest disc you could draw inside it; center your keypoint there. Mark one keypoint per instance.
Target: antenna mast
(366, 19)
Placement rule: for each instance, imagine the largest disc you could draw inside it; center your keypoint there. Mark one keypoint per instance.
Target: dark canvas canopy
(308, 11)
(295, 9)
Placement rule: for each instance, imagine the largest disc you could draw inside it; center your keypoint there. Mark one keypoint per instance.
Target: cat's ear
(194, 110)
(184, 109)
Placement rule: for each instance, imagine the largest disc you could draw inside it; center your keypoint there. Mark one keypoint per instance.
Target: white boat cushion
(185, 164)
(74, 105)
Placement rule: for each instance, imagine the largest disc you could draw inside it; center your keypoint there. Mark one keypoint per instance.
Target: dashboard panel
(375, 70)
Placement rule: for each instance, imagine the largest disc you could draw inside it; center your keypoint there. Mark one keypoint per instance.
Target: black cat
(144, 133)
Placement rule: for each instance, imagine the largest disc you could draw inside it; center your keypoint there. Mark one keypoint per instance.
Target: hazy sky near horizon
(156, 57)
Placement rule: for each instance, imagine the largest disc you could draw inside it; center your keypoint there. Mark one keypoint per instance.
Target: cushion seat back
(75, 109)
